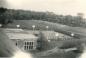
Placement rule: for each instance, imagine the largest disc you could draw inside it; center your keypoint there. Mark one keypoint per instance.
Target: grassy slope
(52, 26)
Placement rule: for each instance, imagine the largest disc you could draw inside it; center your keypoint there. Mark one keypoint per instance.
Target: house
(22, 40)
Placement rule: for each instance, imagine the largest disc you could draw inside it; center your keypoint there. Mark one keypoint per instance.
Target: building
(22, 40)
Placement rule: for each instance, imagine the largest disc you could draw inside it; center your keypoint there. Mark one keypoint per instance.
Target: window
(28, 45)
(24, 47)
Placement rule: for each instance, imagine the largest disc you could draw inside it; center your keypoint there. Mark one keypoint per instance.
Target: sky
(64, 7)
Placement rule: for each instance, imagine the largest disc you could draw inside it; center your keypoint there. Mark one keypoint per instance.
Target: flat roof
(21, 36)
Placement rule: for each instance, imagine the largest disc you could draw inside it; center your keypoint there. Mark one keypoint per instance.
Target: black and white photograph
(42, 28)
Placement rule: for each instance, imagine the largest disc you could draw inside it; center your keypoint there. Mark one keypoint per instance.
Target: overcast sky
(65, 7)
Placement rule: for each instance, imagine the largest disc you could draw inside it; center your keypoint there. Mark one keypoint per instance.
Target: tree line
(9, 15)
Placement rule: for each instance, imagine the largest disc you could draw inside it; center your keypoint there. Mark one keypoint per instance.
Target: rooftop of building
(19, 34)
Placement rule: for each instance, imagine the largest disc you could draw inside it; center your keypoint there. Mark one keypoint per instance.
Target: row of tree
(9, 15)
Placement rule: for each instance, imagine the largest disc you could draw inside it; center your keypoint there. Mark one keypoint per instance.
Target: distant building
(22, 40)
(80, 15)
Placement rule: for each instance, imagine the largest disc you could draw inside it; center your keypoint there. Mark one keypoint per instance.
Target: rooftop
(21, 36)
